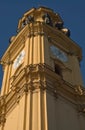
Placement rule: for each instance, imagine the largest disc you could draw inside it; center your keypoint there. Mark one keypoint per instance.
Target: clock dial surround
(59, 54)
(19, 59)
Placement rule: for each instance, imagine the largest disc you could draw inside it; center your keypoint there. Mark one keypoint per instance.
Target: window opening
(58, 70)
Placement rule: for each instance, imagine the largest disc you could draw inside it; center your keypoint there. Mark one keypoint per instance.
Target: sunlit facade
(42, 85)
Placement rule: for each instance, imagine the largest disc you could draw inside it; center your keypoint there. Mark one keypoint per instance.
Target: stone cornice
(39, 28)
(34, 72)
(39, 13)
(44, 78)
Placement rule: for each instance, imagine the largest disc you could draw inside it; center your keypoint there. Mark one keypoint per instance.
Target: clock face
(58, 53)
(19, 59)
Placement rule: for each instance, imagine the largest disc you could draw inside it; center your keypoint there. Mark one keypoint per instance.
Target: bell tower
(42, 86)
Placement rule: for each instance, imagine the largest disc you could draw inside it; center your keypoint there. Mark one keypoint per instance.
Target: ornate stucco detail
(79, 90)
(81, 109)
(2, 119)
(39, 76)
(35, 29)
(43, 14)
(2, 110)
(45, 17)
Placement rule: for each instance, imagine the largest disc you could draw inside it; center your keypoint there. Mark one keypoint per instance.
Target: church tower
(42, 86)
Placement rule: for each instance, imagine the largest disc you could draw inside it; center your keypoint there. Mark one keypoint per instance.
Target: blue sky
(71, 11)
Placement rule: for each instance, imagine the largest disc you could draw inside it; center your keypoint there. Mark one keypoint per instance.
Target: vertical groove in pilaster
(4, 80)
(8, 84)
(42, 49)
(35, 50)
(28, 111)
(39, 111)
(45, 111)
(31, 112)
(39, 49)
(32, 47)
(25, 112)
(31, 51)
(26, 51)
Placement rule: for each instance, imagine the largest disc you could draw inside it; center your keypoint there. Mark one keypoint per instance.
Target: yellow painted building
(42, 86)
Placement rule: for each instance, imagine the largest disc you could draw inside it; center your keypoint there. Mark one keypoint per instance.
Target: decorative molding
(35, 29)
(2, 110)
(2, 119)
(42, 77)
(79, 90)
(81, 108)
